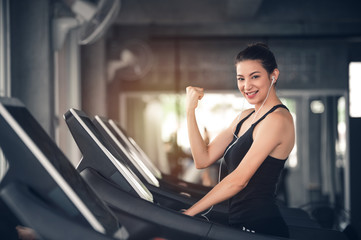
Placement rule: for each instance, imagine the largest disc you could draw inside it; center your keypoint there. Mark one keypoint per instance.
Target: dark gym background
(188, 42)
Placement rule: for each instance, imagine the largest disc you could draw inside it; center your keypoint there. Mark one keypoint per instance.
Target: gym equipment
(156, 213)
(43, 189)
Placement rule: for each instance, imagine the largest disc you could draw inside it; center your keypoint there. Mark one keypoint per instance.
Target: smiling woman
(255, 147)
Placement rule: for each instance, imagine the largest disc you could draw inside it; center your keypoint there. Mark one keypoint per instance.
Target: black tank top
(256, 200)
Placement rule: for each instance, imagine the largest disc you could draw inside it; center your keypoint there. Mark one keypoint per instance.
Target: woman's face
(253, 81)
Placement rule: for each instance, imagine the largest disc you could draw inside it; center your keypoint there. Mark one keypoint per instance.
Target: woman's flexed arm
(198, 146)
(203, 155)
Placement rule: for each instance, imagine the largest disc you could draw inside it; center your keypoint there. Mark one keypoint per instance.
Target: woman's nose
(247, 84)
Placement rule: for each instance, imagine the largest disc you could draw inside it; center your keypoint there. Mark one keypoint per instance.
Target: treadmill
(293, 216)
(155, 212)
(48, 195)
(132, 146)
(124, 143)
(101, 155)
(134, 159)
(41, 187)
(117, 135)
(117, 139)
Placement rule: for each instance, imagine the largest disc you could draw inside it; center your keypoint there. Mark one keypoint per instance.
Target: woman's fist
(194, 94)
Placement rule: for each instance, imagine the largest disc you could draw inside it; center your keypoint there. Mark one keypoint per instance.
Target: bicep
(217, 147)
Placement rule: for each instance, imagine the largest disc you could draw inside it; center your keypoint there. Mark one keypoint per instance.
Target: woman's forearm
(224, 190)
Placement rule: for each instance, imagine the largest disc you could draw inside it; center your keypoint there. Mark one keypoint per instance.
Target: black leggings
(272, 226)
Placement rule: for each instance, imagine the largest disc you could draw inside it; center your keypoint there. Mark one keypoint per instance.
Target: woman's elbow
(240, 185)
(200, 165)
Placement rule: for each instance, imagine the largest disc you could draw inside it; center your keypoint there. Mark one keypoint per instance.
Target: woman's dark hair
(261, 52)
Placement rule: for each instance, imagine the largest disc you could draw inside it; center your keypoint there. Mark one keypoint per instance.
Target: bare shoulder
(279, 123)
(276, 131)
(282, 115)
(280, 118)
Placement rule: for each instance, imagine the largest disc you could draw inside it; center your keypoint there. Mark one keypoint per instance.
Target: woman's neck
(271, 101)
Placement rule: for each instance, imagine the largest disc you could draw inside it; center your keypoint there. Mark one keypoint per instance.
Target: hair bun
(258, 51)
(259, 44)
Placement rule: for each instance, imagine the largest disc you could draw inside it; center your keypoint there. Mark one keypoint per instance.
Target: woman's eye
(256, 76)
(240, 79)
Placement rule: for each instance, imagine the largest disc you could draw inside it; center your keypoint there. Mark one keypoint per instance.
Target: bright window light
(355, 89)
(317, 107)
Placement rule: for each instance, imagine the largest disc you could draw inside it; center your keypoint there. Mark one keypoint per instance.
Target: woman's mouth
(251, 94)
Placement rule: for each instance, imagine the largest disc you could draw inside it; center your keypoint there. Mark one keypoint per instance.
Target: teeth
(251, 93)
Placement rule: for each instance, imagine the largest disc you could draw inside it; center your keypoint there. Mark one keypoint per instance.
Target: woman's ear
(274, 75)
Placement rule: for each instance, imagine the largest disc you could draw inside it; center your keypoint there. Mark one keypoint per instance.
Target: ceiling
(243, 17)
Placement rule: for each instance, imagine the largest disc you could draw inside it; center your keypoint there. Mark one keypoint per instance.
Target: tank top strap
(241, 122)
(270, 111)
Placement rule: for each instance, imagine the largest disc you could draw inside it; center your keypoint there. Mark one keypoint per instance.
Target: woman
(255, 147)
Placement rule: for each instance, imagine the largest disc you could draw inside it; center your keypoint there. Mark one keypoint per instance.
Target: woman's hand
(25, 233)
(194, 94)
(185, 212)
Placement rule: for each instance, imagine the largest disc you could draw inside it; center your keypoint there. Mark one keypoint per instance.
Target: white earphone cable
(268, 92)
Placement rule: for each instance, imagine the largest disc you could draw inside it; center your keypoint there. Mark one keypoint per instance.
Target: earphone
(273, 80)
